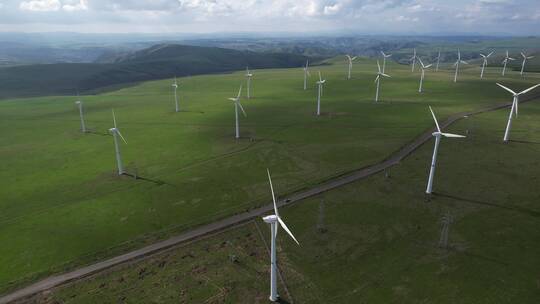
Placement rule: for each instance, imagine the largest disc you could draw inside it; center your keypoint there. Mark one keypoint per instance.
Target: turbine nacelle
(270, 219)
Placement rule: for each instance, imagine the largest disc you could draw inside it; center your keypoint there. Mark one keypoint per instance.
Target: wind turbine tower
(79, 103)
(275, 221)
(116, 135)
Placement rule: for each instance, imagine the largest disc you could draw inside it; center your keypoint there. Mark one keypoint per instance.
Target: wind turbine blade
(452, 135)
(378, 66)
(523, 55)
(118, 131)
(239, 92)
(114, 118)
(513, 93)
(377, 78)
(241, 108)
(273, 196)
(232, 99)
(435, 119)
(464, 62)
(490, 54)
(385, 75)
(320, 77)
(529, 89)
(428, 66)
(282, 224)
(455, 63)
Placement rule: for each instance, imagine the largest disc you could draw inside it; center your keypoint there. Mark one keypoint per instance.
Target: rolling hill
(157, 62)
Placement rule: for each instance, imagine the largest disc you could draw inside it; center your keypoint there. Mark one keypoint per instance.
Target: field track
(204, 230)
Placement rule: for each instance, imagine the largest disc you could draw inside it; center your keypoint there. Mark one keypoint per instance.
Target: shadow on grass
(138, 177)
(511, 208)
(97, 133)
(485, 258)
(524, 142)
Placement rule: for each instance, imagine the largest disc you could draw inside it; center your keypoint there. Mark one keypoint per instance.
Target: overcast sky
(193, 16)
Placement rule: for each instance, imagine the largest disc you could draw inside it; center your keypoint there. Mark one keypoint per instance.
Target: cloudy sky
(193, 16)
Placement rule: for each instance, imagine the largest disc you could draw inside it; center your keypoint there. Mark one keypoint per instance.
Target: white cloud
(77, 5)
(402, 18)
(41, 5)
(53, 5)
(332, 9)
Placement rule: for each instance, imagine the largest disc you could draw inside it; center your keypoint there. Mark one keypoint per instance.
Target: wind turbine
(484, 63)
(237, 105)
(320, 84)
(306, 74)
(423, 69)
(514, 108)
(384, 60)
(438, 61)
(505, 61)
(248, 76)
(351, 59)
(437, 134)
(413, 58)
(175, 86)
(524, 60)
(378, 80)
(275, 221)
(457, 64)
(79, 103)
(116, 133)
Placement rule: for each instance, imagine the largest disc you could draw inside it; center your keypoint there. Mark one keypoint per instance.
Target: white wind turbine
(237, 105)
(378, 80)
(413, 59)
(484, 63)
(79, 103)
(175, 87)
(423, 69)
(384, 60)
(514, 108)
(438, 61)
(505, 62)
(351, 59)
(275, 221)
(457, 65)
(249, 75)
(320, 84)
(116, 133)
(306, 74)
(437, 134)
(524, 60)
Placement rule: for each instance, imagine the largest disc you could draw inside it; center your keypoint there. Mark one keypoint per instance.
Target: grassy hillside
(380, 238)
(158, 62)
(63, 206)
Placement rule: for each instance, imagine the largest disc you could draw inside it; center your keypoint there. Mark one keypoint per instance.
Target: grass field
(63, 206)
(381, 238)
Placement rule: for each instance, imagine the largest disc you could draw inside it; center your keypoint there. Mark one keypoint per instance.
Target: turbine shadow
(138, 177)
(511, 208)
(524, 142)
(485, 258)
(188, 111)
(97, 133)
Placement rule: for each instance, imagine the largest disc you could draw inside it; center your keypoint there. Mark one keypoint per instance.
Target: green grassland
(380, 243)
(63, 206)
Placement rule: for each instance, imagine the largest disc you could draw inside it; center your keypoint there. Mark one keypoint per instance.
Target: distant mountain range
(157, 62)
